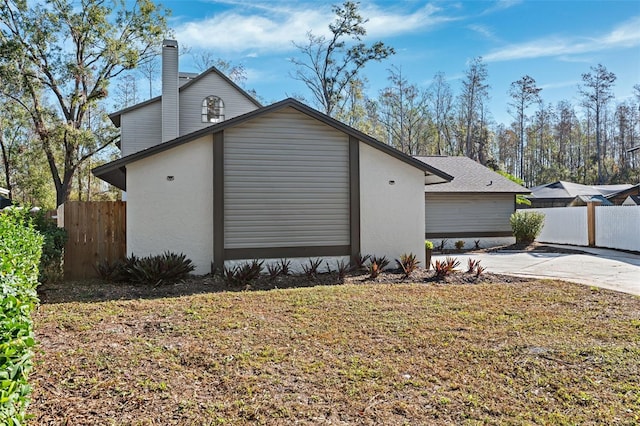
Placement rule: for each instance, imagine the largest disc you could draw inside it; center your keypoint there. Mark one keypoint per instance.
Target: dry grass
(540, 352)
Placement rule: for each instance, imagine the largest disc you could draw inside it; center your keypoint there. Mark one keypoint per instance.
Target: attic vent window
(212, 110)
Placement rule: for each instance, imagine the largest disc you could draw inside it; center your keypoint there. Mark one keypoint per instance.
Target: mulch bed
(100, 290)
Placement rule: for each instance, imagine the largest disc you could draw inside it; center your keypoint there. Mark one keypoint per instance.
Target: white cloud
(389, 22)
(559, 85)
(501, 5)
(483, 30)
(625, 35)
(260, 27)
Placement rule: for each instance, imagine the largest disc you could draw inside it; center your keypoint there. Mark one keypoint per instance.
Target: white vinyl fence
(615, 227)
(564, 225)
(618, 227)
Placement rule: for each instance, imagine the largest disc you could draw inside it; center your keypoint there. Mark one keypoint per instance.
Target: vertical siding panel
(191, 97)
(141, 128)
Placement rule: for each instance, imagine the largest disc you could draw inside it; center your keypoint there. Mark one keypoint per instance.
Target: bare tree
(328, 65)
(204, 60)
(404, 114)
(596, 93)
(441, 100)
(524, 92)
(474, 92)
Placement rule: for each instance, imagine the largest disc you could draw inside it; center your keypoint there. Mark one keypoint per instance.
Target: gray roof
(115, 116)
(582, 200)
(469, 176)
(115, 171)
(570, 190)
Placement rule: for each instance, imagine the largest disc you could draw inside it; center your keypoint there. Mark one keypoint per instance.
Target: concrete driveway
(603, 268)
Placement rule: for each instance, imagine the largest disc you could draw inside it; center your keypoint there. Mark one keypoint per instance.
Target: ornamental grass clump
(446, 267)
(408, 263)
(242, 274)
(155, 270)
(526, 225)
(20, 252)
(377, 265)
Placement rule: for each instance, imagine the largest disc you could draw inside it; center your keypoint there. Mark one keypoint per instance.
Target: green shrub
(20, 251)
(459, 245)
(156, 270)
(428, 245)
(51, 262)
(526, 225)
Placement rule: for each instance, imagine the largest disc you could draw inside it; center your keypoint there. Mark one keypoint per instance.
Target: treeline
(590, 142)
(55, 93)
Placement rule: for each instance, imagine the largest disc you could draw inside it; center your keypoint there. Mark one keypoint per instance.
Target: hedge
(20, 251)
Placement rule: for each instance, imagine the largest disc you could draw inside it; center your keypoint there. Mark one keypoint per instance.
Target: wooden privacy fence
(97, 233)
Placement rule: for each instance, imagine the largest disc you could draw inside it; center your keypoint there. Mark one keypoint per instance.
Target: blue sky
(555, 42)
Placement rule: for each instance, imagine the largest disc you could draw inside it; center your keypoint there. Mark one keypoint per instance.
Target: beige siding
(140, 128)
(472, 213)
(286, 183)
(235, 103)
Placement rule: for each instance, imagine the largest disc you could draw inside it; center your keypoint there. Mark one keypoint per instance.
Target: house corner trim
(354, 196)
(218, 201)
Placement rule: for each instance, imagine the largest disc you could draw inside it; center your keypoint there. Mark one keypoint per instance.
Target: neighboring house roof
(582, 200)
(115, 117)
(632, 200)
(570, 190)
(469, 176)
(115, 172)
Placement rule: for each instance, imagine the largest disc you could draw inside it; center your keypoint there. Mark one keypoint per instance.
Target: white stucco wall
(391, 216)
(174, 215)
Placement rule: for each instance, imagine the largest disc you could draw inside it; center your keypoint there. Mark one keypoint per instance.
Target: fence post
(591, 222)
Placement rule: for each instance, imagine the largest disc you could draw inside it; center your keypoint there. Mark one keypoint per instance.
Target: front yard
(538, 352)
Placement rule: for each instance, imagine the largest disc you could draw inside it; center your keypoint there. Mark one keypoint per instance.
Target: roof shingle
(469, 176)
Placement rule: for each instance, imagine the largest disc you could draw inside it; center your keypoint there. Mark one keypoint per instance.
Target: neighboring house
(4, 201)
(475, 205)
(569, 194)
(583, 200)
(632, 200)
(281, 181)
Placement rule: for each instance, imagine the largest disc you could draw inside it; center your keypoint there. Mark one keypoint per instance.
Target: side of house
(185, 106)
(283, 181)
(475, 205)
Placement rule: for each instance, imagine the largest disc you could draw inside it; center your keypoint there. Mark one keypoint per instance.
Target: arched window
(212, 110)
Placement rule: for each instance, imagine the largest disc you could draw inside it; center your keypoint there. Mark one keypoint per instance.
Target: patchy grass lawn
(541, 352)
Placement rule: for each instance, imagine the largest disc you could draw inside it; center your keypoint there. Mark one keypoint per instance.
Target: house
(4, 200)
(226, 180)
(583, 200)
(632, 200)
(475, 205)
(565, 194)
